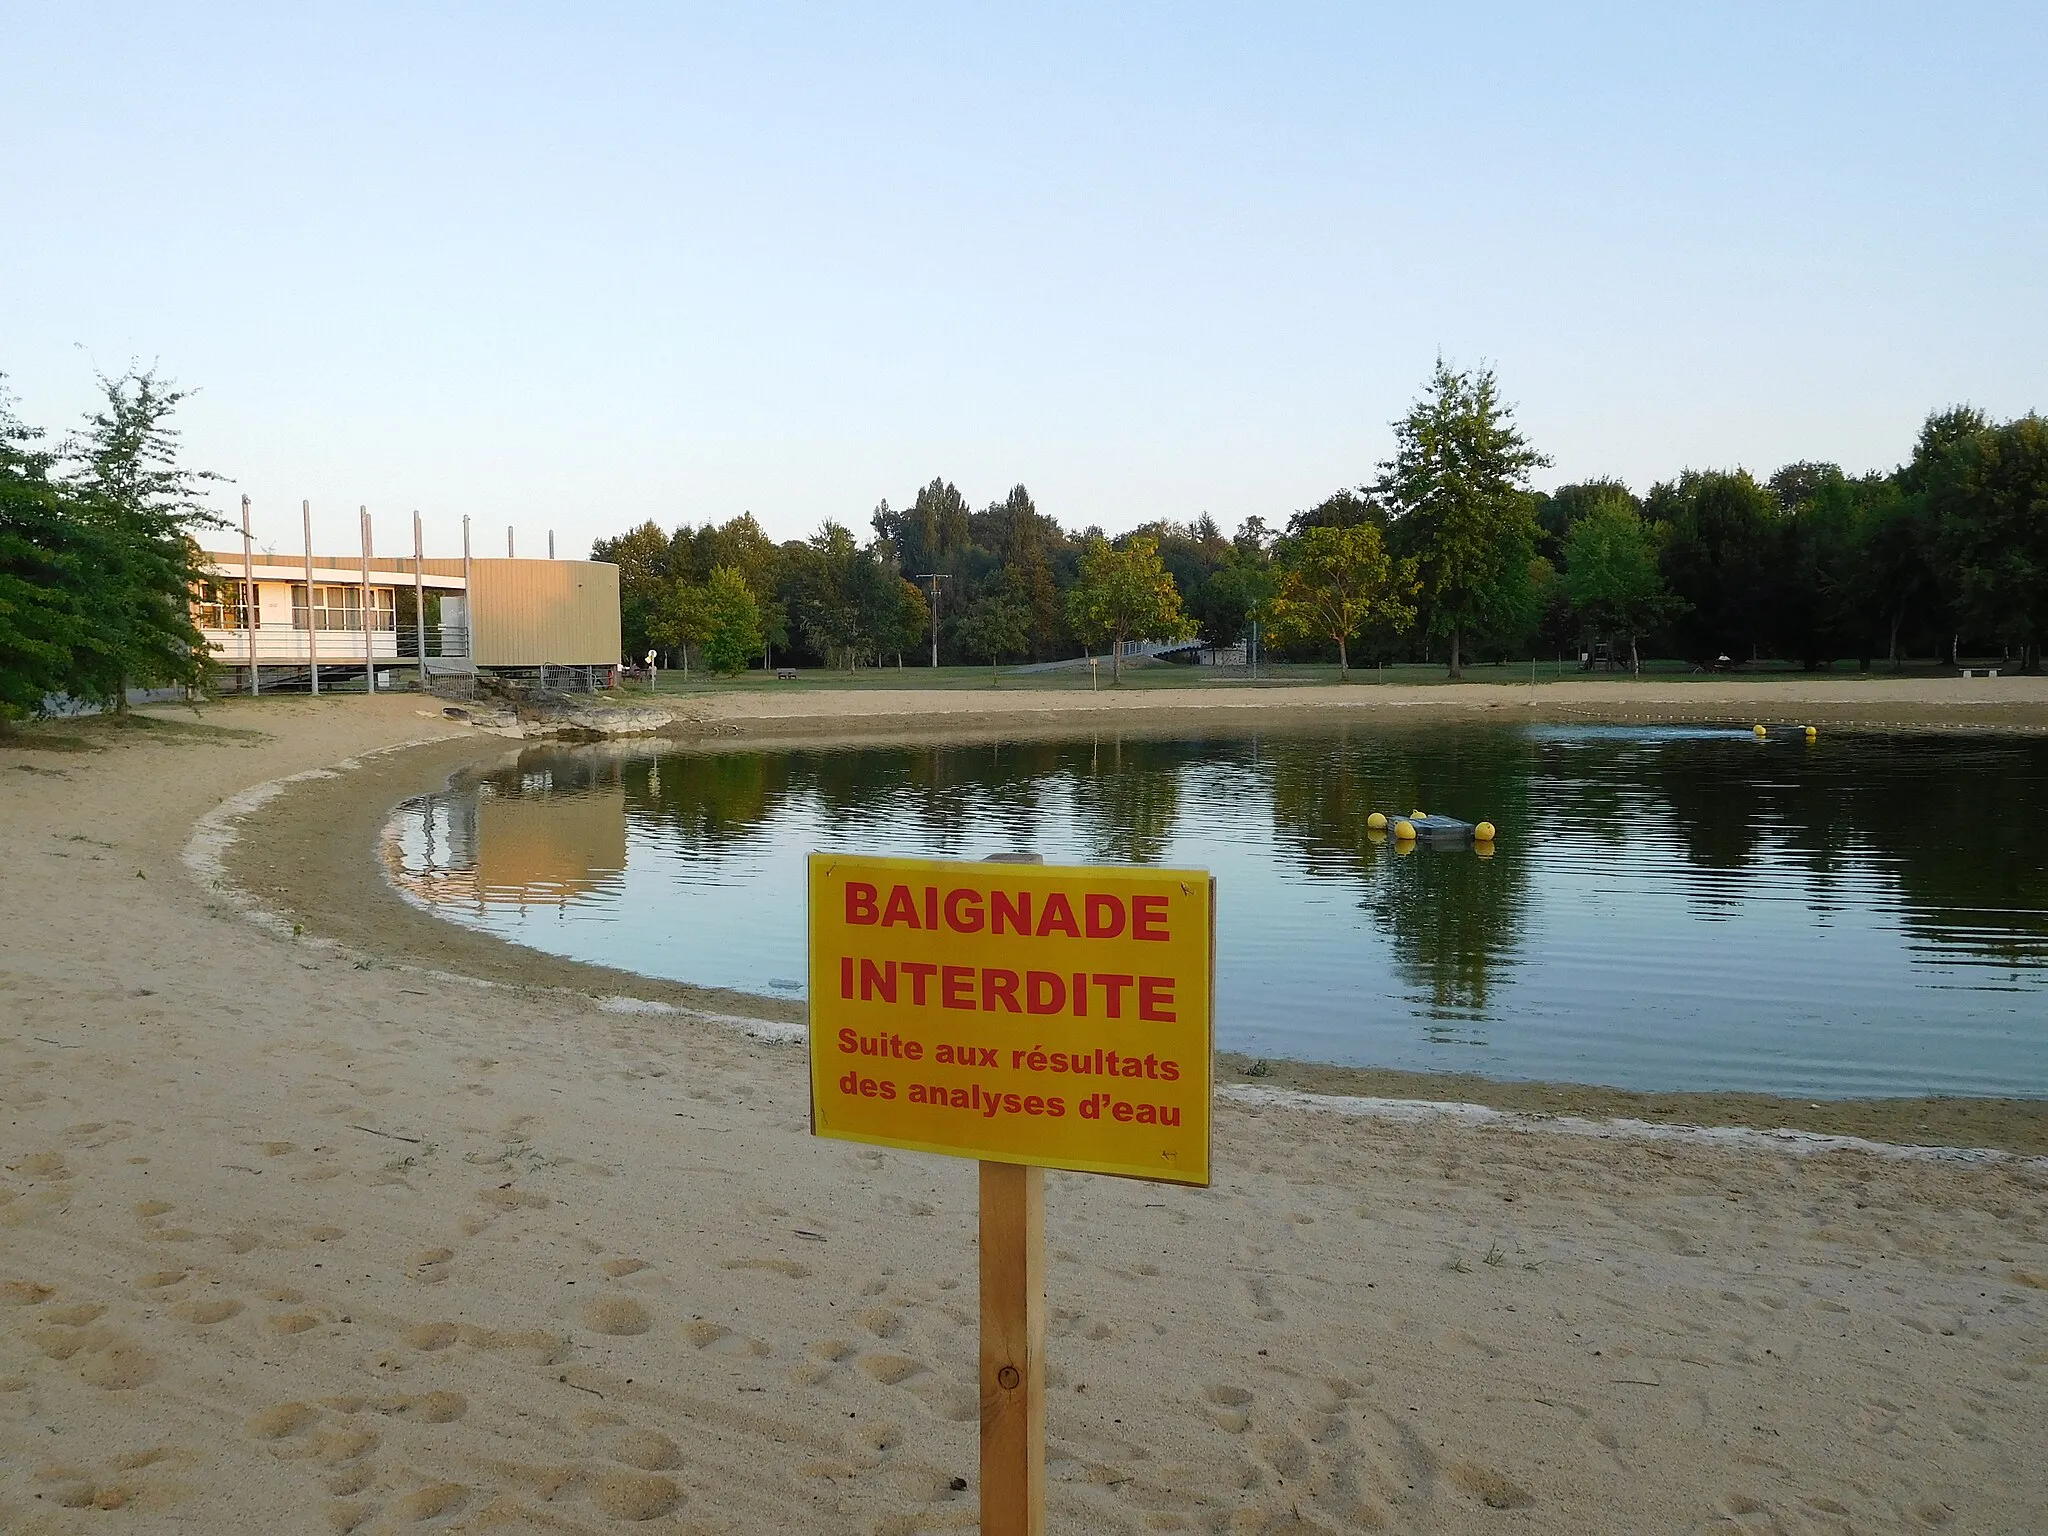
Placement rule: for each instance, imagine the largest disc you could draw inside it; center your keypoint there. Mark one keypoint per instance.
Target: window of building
(221, 605)
(340, 607)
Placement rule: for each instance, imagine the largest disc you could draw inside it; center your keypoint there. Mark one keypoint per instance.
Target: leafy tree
(1557, 510)
(145, 508)
(1342, 509)
(1721, 559)
(1335, 581)
(678, 618)
(850, 601)
(1458, 484)
(51, 562)
(646, 563)
(1821, 563)
(1987, 493)
(732, 621)
(995, 627)
(1124, 593)
(1611, 572)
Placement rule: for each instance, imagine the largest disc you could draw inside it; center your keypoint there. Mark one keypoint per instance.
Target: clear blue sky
(580, 266)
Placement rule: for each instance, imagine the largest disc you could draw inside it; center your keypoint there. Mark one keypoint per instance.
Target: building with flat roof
(275, 620)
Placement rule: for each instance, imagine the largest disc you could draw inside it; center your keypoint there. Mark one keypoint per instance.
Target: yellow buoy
(1811, 733)
(1760, 731)
(1376, 822)
(1483, 832)
(1404, 829)
(1420, 815)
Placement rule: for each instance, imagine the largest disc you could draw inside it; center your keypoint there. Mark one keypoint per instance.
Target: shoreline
(290, 848)
(292, 1238)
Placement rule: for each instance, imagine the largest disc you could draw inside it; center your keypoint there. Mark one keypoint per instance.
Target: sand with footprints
(299, 1237)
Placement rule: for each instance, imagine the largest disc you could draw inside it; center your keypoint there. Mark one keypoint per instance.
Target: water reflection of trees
(1126, 797)
(1951, 823)
(1455, 920)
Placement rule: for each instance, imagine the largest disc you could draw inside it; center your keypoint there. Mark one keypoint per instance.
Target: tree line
(98, 555)
(1446, 554)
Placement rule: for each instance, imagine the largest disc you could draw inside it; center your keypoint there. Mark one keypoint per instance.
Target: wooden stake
(1012, 1350)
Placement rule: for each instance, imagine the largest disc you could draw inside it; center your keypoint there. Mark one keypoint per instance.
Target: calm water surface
(1668, 908)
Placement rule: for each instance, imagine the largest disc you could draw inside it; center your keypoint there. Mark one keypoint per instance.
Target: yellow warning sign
(1016, 1013)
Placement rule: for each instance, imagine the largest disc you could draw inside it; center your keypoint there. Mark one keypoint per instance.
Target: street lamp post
(934, 577)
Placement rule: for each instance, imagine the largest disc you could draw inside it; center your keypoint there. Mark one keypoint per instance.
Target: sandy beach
(342, 1219)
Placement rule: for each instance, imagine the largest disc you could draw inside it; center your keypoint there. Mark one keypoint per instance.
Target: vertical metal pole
(312, 615)
(509, 554)
(468, 603)
(419, 595)
(551, 543)
(249, 599)
(1012, 1350)
(369, 614)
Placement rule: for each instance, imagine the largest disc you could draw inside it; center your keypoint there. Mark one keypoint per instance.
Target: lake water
(1666, 908)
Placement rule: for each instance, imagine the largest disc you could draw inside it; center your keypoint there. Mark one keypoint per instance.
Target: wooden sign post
(1012, 1350)
(1032, 1018)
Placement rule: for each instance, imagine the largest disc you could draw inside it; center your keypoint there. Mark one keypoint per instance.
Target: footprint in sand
(618, 1316)
(293, 1322)
(160, 1279)
(280, 1421)
(1230, 1407)
(206, 1313)
(882, 1322)
(635, 1495)
(432, 1336)
(824, 1360)
(430, 1265)
(722, 1340)
(428, 1408)
(25, 1293)
(434, 1500)
(647, 1450)
(344, 1447)
(1259, 1295)
(889, 1370)
(1487, 1486)
(789, 1269)
(120, 1367)
(618, 1269)
(79, 1314)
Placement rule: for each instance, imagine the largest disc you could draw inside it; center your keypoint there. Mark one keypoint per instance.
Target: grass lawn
(1284, 675)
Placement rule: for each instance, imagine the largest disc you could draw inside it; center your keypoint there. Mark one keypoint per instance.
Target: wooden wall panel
(528, 612)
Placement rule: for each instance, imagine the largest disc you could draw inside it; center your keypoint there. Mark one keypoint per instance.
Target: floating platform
(1433, 829)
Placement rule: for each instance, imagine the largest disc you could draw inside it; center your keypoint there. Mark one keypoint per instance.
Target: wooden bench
(785, 674)
(1969, 672)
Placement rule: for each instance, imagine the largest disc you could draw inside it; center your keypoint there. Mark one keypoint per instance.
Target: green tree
(144, 507)
(1557, 510)
(732, 621)
(1336, 581)
(995, 626)
(1458, 483)
(1721, 559)
(1611, 572)
(1987, 494)
(677, 618)
(1124, 594)
(647, 572)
